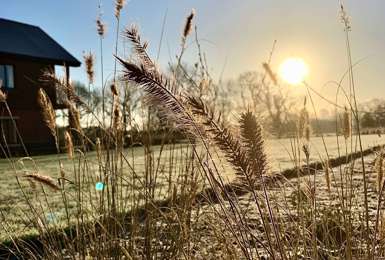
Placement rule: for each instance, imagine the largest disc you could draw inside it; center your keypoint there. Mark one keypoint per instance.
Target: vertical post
(67, 71)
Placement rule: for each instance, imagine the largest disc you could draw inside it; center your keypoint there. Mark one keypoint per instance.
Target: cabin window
(6, 76)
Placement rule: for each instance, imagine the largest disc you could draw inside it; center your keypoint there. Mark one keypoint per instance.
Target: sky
(236, 35)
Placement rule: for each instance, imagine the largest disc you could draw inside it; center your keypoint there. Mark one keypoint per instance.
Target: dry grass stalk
(119, 4)
(32, 184)
(347, 123)
(69, 144)
(382, 227)
(327, 174)
(62, 171)
(379, 168)
(42, 179)
(89, 63)
(49, 115)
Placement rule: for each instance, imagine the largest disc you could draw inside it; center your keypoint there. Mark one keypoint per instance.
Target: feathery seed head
(119, 4)
(114, 90)
(100, 27)
(89, 62)
(98, 147)
(187, 26)
(74, 118)
(345, 19)
(116, 116)
(270, 72)
(48, 112)
(42, 179)
(303, 124)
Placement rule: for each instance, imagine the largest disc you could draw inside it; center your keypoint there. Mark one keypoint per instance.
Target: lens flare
(293, 70)
(99, 186)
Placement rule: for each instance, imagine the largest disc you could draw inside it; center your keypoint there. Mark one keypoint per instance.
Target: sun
(293, 70)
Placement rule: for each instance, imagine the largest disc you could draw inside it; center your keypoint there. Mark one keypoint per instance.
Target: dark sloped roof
(32, 42)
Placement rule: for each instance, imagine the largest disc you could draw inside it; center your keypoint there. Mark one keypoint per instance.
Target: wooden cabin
(25, 52)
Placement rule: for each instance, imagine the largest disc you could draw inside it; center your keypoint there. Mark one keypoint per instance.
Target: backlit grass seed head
(270, 72)
(42, 179)
(307, 132)
(119, 4)
(347, 123)
(345, 19)
(100, 27)
(304, 124)
(114, 90)
(188, 25)
(69, 144)
(116, 115)
(3, 96)
(48, 112)
(74, 118)
(98, 147)
(306, 150)
(89, 63)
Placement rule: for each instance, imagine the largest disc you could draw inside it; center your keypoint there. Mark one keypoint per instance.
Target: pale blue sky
(238, 33)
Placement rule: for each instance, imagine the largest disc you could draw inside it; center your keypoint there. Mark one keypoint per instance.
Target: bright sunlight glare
(293, 70)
